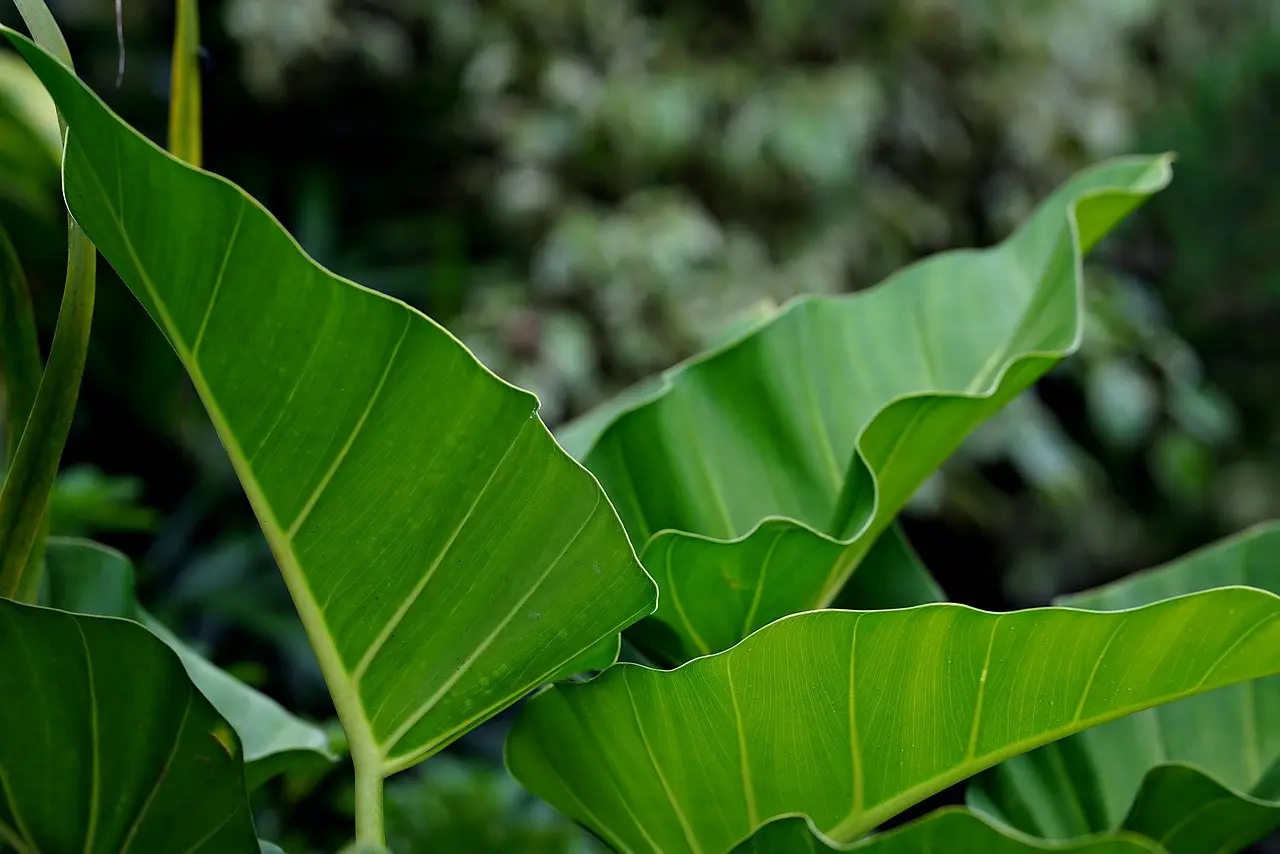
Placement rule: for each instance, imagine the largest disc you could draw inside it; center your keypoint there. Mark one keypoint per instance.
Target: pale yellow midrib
(854, 826)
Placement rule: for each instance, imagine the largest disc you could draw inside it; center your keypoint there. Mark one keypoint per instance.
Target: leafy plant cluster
(795, 680)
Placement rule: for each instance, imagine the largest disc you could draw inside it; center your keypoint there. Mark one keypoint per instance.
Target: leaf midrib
(351, 714)
(855, 825)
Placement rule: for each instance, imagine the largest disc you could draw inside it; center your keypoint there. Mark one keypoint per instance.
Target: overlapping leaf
(1195, 776)
(87, 578)
(777, 459)
(445, 556)
(946, 831)
(850, 717)
(712, 608)
(105, 745)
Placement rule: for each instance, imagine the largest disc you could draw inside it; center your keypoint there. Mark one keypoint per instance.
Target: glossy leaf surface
(947, 831)
(1192, 775)
(778, 459)
(88, 578)
(707, 607)
(850, 717)
(444, 554)
(109, 748)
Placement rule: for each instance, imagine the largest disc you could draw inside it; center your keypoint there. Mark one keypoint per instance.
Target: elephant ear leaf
(756, 477)
(445, 556)
(850, 717)
(1165, 773)
(88, 578)
(111, 748)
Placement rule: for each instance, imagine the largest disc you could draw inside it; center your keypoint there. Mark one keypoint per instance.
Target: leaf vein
(217, 282)
(389, 628)
(355, 433)
(484, 645)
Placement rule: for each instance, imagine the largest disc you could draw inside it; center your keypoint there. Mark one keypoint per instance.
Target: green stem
(370, 832)
(184, 86)
(29, 482)
(19, 349)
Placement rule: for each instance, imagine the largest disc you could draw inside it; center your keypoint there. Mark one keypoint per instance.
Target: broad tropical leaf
(777, 459)
(850, 717)
(88, 578)
(1192, 775)
(105, 745)
(942, 832)
(444, 554)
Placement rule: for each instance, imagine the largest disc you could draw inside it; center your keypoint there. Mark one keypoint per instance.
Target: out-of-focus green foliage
(460, 807)
(29, 145)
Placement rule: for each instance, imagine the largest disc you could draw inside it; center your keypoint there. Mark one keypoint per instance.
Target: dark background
(586, 192)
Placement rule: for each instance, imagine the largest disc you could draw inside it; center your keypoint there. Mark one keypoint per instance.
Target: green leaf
(707, 608)
(444, 554)
(890, 576)
(109, 747)
(88, 578)
(1191, 775)
(851, 717)
(808, 433)
(946, 830)
(86, 501)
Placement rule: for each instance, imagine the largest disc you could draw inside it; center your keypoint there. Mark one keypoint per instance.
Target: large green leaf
(106, 746)
(850, 717)
(1192, 775)
(88, 578)
(444, 554)
(777, 459)
(941, 832)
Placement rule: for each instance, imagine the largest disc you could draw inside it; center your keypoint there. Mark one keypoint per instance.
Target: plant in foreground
(447, 558)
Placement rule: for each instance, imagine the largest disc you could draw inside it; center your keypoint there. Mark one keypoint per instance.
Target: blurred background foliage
(586, 192)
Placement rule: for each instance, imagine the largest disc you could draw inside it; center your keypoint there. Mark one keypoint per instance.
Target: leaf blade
(383, 448)
(84, 577)
(825, 419)
(147, 766)
(941, 690)
(1165, 773)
